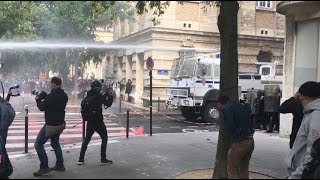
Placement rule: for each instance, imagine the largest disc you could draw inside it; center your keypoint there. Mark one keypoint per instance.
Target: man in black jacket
(294, 106)
(53, 105)
(95, 123)
(238, 121)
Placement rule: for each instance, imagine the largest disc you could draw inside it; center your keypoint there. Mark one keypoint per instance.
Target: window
(204, 70)
(189, 25)
(261, 32)
(265, 71)
(184, 25)
(266, 32)
(264, 4)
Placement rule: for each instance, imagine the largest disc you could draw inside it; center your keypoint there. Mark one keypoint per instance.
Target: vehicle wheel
(189, 113)
(211, 113)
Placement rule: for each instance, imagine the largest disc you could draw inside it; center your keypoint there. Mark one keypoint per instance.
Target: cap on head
(96, 84)
(310, 89)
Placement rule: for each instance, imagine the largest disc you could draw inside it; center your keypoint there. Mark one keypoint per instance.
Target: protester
(237, 118)
(309, 131)
(94, 118)
(293, 105)
(129, 89)
(53, 105)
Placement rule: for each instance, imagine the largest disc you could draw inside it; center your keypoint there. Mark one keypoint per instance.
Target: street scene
(159, 89)
(169, 121)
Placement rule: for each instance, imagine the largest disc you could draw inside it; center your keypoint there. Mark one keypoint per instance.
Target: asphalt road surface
(139, 124)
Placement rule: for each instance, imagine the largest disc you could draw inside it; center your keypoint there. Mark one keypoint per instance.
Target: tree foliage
(59, 22)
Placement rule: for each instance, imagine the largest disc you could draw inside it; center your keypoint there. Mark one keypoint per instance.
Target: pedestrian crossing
(71, 135)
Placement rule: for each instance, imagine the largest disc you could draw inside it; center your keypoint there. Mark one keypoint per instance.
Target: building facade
(261, 39)
(103, 69)
(302, 50)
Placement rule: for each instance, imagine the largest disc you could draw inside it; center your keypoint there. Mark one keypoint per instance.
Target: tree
(228, 27)
(16, 20)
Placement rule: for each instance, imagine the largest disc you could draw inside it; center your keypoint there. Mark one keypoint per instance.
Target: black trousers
(102, 131)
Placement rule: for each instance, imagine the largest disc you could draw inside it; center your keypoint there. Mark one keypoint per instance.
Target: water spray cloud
(47, 45)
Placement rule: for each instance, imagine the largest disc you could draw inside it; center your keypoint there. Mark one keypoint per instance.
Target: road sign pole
(150, 65)
(150, 73)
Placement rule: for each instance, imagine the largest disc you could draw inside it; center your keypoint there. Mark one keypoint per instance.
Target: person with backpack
(91, 111)
(53, 105)
(237, 118)
(6, 168)
(6, 118)
(309, 131)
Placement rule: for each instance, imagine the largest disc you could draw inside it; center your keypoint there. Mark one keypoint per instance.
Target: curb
(207, 174)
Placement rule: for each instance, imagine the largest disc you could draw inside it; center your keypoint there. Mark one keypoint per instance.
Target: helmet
(95, 84)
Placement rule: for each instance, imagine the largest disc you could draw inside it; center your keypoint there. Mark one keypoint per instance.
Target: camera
(39, 95)
(35, 92)
(17, 92)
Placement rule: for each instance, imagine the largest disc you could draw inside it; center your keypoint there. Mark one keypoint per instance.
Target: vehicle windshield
(204, 70)
(187, 69)
(175, 68)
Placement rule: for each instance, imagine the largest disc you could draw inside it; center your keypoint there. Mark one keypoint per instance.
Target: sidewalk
(161, 156)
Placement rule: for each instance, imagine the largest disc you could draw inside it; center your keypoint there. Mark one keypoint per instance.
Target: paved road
(72, 134)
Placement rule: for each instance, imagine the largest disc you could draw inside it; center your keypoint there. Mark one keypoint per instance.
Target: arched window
(264, 56)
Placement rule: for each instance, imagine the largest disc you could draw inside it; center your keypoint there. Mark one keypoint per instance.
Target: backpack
(87, 107)
(6, 168)
(310, 170)
(7, 114)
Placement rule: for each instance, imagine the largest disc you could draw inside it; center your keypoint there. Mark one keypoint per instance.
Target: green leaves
(16, 20)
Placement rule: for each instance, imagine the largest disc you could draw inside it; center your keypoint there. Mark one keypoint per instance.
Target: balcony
(298, 8)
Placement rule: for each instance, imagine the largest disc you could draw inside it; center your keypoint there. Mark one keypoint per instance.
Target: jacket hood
(92, 92)
(314, 105)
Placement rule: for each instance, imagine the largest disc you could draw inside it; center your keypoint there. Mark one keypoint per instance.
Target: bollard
(26, 118)
(120, 103)
(158, 104)
(127, 130)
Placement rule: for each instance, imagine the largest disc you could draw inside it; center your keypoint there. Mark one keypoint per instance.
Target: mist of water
(55, 45)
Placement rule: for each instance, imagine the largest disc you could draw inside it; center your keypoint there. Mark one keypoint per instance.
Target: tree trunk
(228, 27)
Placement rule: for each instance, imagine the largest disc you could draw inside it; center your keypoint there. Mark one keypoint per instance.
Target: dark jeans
(102, 131)
(4, 134)
(55, 144)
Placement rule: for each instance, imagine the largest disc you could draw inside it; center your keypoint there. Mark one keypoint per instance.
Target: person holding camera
(53, 105)
(91, 110)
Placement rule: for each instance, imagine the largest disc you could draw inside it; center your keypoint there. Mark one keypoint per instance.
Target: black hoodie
(99, 100)
(54, 106)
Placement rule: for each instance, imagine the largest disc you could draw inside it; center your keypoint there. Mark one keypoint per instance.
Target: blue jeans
(55, 144)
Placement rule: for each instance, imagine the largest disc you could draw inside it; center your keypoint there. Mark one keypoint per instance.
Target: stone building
(261, 39)
(302, 50)
(100, 70)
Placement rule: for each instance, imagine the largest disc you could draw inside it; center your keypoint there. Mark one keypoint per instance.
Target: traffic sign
(149, 63)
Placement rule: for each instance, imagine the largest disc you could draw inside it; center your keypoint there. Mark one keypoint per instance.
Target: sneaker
(42, 171)
(80, 162)
(58, 168)
(106, 161)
